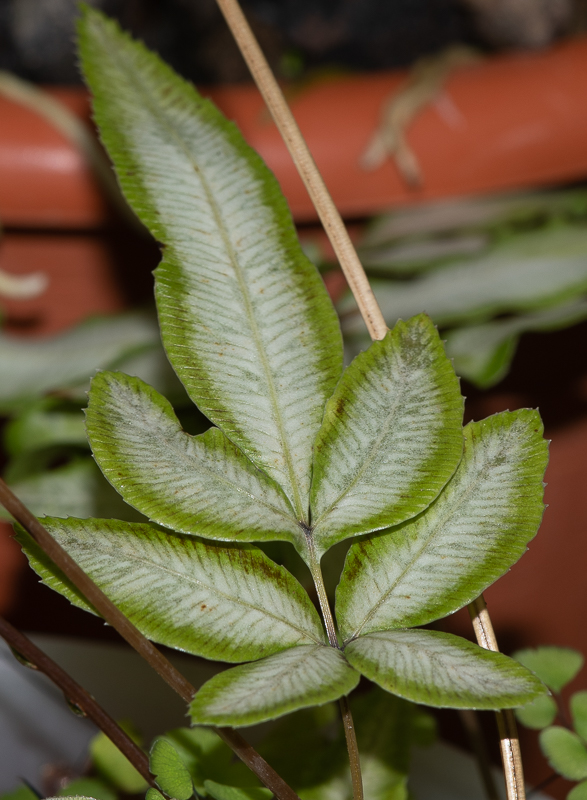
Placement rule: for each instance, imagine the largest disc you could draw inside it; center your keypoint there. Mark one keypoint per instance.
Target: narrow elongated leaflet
(471, 535)
(226, 603)
(201, 484)
(297, 678)
(439, 669)
(245, 318)
(391, 436)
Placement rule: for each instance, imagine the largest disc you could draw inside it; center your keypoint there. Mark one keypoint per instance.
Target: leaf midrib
(133, 78)
(383, 598)
(212, 589)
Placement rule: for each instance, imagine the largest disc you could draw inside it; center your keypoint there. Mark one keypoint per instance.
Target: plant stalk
(302, 158)
(77, 695)
(347, 718)
(349, 262)
(511, 755)
(146, 649)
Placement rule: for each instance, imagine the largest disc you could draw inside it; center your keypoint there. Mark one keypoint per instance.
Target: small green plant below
(301, 452)
(564, 745)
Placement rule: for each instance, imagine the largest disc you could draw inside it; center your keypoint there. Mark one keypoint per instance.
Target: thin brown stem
(352, 748)
(295, 143)
(347, 717)
(135, 638)
(77, 695)
(316, 573)
(511, 755)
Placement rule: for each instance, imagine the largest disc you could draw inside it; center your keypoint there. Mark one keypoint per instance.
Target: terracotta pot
(512, 121)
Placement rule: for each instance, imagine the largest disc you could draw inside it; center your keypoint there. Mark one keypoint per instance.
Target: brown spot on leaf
(339, 406)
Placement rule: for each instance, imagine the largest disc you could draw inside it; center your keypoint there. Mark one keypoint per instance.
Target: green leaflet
(442, 670)
(207, 757)
(578, 792)
(245, 318)
(153, 794)
(170, 772)
(539, 713)
(200, 484)
(478, 527)
(297, 678)
(555, 666)
(225, 603)
(391, 436)
(565, 752)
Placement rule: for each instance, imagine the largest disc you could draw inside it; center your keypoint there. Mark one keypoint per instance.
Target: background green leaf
(308, 748)
(300, 677)
(528, 272)
(153, 794)
(113, 765)
(470, 536)
(391, 436)
(565, 752)
(483, 353)
(539, 713)
(170, 772)
(223, 792)
(76, 489)
(578, 792)
(555, 666)
(243, 312)
(67, 361)
(439, 669)
(206, 756)
(228, 603)
(193, 484)
(45, 423)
